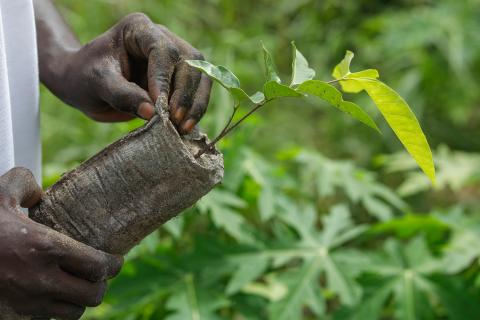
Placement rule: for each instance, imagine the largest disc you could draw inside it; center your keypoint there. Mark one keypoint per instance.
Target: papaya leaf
(249, 269)
(273, 89)
(300, 282)
(270, 69)
(225, 78)
(301, 72)
(331, 95)
(402, 120)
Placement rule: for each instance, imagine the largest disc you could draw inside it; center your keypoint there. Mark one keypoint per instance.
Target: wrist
(54, 69)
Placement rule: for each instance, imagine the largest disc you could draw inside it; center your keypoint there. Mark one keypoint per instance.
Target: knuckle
(173, 52)
(197, 55)
(137, 18)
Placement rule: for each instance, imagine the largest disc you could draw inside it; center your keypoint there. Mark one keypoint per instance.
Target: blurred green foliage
(317, 217)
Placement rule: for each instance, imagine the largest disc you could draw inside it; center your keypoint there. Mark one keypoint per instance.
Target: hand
(120, 74)
(42, 272)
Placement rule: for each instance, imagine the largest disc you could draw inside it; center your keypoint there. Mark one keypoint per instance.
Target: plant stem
(228, 128)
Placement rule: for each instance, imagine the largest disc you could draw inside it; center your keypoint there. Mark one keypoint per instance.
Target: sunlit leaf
(403, 122)
(343, 68)
(393, 107)
(301, 72)
(330, 94)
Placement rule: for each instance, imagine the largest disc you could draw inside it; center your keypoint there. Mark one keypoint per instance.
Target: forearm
(55, 42)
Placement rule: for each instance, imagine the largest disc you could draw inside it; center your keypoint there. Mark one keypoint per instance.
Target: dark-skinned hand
(42, 272)
(120, 74)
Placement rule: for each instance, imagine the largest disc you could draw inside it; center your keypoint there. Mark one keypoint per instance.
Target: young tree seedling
(392, 106)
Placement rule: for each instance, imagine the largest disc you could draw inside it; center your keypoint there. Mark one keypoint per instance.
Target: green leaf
(266, 203)
(225, 78)
(301, 72)
(330, 94)
(354, 87)
(250, 268)
(218, 73)
(270, 68)
(273, 89)
(223, 207)
(339, 282)
(193, 302)
(402, 120)
(291, 306)
(393, 107)
(343, 68)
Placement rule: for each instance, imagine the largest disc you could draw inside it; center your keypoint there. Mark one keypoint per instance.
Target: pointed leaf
(274, 90)
(225, 78)
(354, 87)
(218, 73)
(340, 283)
(270, 68)
(330, 94)
(301, 72)
(249, 269)
(402, 120)
(343, 68)
(291, 306)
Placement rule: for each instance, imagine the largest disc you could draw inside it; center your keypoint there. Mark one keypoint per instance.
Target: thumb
(20, 184)
(126, 96)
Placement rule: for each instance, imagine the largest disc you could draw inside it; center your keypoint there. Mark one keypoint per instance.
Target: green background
(319, 216)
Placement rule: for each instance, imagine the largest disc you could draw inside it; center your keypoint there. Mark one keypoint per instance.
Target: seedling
(393, 107)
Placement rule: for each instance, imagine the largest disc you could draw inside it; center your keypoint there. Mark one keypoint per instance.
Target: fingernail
(146, 110)
(188, 125)
(180, 114)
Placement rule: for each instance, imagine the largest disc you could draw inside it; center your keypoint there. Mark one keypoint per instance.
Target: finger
(126, 96)
(185, 85)
(161, 65)
(78, 291)
(85, 262)
(200, 104)
(60, 310)
(19, 183)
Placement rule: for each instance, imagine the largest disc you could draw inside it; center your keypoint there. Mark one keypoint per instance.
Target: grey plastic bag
(126, 191)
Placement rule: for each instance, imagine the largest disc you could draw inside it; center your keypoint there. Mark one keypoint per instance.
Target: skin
(47, 273)
(120, 74)
(116, 77)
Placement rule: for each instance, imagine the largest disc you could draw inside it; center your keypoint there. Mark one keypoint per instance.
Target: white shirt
(19, 87)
